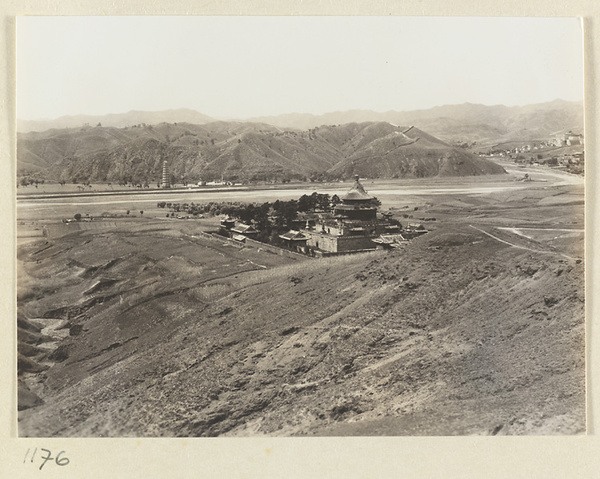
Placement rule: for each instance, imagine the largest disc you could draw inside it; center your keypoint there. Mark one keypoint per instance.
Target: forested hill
(240, 152)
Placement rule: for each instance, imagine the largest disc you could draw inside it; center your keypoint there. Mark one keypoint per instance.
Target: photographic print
(300, 226)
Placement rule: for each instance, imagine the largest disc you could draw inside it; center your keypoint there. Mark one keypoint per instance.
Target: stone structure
(227, 223)
(244, 230)
(166, 180)
(295, 240)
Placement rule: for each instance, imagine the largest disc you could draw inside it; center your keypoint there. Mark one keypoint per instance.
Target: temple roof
(243, 228)
(294, 235)
(357, 192)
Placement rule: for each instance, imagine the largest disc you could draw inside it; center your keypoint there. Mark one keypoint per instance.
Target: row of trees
(25, 181)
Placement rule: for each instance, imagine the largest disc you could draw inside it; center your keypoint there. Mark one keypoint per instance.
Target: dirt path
(522, 247)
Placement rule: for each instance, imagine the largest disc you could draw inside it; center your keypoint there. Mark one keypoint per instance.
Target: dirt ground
(147, 327)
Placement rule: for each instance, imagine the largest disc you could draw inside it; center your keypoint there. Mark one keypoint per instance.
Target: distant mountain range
(132, 146)
(118, 120)
(468, 122)
(245, 151)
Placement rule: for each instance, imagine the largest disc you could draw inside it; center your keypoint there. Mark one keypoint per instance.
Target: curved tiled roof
(357, 192)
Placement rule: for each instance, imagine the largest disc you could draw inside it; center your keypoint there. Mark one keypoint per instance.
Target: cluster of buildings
(354, 225)
(568, 139)
(557, 141)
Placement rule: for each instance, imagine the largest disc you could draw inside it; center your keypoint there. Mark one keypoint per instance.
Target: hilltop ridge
(240, 151)
(117, 120)
(463, 122)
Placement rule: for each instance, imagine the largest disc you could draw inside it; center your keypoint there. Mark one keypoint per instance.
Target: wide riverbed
(31, 205)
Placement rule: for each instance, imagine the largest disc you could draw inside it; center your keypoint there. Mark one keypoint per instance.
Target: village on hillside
(562, 151)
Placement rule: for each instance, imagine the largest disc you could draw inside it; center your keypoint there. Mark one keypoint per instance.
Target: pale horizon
(246, 67)
(288, 113)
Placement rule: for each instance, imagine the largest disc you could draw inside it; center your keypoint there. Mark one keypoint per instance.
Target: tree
(141, 213)
(306, 203)
(77, 216)
(322, 201)
(290, 212)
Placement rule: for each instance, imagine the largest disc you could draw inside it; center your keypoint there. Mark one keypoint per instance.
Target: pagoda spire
(166, 181)
(357, 192)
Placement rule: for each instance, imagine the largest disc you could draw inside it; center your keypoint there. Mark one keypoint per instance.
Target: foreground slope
(172, 334)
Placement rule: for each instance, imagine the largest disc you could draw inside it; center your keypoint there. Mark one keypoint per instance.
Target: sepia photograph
(300, 226)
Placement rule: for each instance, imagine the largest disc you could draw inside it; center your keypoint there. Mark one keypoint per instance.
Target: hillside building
(245, 230)
(390, 241)
(568, 139)
(295, 240)
(353, 226)
(574, 139)
(227, 223)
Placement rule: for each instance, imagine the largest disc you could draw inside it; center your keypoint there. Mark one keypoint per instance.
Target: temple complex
(353, 226)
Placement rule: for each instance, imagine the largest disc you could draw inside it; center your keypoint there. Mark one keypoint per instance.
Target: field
(140, 325)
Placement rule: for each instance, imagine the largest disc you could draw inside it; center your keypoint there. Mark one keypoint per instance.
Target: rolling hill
(241, 152)
(410, 153)
(466, 122)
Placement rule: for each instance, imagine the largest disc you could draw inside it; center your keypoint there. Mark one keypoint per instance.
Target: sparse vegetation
(475, 328)
(241, 152)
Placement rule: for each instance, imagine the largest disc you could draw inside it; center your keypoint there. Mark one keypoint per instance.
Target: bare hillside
(411, 153)
(168, 333)
(486, 124)
(240, 152)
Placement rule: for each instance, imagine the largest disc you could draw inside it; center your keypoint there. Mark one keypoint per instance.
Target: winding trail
(521, 247)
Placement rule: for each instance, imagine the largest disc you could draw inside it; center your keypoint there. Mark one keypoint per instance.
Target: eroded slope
(458, 333)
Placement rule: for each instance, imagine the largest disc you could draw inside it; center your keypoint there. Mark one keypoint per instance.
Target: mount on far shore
(236, 151)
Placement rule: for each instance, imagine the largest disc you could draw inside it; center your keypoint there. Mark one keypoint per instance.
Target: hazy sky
(239, 67)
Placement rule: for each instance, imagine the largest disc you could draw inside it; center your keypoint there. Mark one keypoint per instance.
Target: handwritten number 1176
(60, 461)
